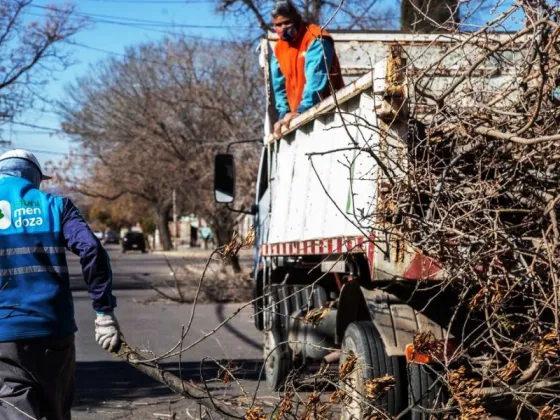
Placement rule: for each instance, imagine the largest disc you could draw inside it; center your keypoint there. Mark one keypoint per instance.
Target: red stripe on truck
(423, 268)
(326, 247)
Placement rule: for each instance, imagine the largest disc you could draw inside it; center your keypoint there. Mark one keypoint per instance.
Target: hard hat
(25, 155)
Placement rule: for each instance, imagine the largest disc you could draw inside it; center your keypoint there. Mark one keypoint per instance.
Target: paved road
(108, 388)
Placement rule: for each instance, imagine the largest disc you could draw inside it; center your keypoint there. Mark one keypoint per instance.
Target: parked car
(112, 237)
(134, 241)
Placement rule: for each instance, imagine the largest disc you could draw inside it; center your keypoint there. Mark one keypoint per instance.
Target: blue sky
(112, 38)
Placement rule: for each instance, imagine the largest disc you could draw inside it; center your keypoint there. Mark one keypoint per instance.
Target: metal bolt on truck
(323, 237)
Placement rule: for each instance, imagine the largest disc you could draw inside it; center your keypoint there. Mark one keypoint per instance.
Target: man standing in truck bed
(303, 62)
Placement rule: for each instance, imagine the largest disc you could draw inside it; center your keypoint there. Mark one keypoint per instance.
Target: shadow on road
(121, 281)
(243, 337)
(100, 382)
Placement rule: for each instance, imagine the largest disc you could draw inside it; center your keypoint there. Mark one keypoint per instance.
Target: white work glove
(107, 332)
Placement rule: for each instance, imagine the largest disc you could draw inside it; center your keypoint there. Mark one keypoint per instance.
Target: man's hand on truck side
(284, 122)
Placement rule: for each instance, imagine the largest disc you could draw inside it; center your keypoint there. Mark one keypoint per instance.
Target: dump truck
(331, 275)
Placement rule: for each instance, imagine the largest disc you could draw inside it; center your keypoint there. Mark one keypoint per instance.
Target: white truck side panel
(298, 189)
(324, 187)
(337, 181)
(366, 172)
(284, 153)
(315, 202)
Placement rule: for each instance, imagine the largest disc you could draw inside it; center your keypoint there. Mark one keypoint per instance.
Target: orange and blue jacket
(300, 70)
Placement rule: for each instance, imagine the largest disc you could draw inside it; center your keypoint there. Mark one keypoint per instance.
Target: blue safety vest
(35, 297)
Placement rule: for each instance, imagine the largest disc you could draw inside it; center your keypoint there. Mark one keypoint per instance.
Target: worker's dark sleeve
(96, 266)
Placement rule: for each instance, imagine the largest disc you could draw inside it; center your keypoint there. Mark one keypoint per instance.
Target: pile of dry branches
(481, 196)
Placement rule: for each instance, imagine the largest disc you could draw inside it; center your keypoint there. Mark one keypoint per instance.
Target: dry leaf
(337, 397)
(255, 413)
(348, 366)
(549, 413)
(375, 387)
(317, 315)
(507, 371)
(286, 405)
(225, 375)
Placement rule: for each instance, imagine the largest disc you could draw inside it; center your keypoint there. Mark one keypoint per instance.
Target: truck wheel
(363, 340)
(425, 392)
(277, 360)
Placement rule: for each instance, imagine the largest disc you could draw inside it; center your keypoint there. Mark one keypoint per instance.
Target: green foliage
(148, 225)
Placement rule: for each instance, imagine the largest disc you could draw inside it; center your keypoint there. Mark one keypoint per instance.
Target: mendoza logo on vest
(5, 215)
(25, 216)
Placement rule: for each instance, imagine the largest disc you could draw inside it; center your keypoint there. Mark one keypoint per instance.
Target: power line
(111, 19)
(143, 27)
(122, 54)
(49, 152)
(33, 132)
(12, 146)
(32, 150)
(89, 47)
(39, 127)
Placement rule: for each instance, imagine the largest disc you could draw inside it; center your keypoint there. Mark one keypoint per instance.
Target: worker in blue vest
(37, 326)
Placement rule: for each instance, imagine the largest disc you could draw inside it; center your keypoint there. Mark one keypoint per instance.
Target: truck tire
(363, 340)
(277, 361)
(277, 357)
(279, 306)
(425, 392)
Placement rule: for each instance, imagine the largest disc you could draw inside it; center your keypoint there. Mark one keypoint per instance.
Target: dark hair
(285, 8)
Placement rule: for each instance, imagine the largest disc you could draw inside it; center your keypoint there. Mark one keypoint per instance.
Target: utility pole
(175, 230)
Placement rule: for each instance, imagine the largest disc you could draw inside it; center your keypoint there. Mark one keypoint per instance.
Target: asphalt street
(108, 388)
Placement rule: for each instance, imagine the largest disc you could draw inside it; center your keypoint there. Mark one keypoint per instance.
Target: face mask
(288, 33)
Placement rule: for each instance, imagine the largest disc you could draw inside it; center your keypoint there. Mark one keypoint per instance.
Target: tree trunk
(162, 224)
(315, 12)
(222, 224)
(234, 262)
(429, 15)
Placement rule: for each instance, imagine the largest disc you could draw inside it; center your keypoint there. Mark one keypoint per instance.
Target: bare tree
(350, 14)
(30, 51)
(429, 15)
(155, 119)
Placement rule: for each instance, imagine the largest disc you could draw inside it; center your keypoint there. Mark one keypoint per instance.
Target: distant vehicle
(134, 241)
(112, 237)
(99, 234)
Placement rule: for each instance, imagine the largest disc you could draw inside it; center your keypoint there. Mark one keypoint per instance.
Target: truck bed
(329, 168)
